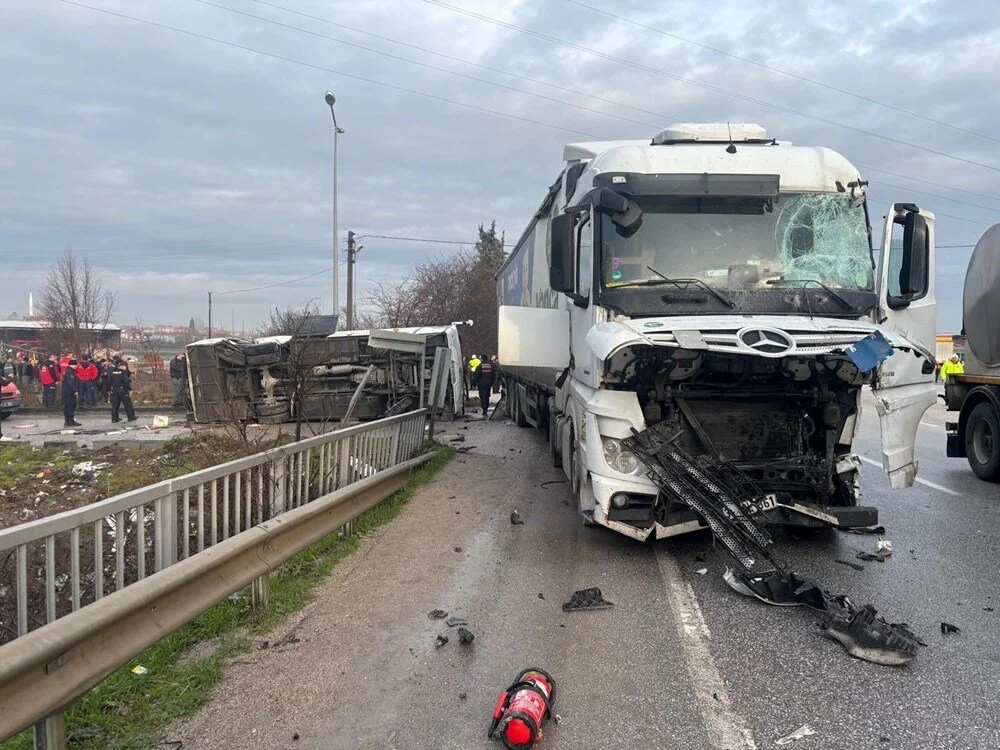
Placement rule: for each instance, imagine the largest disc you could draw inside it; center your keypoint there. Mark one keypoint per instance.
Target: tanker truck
(975, 395)
(725, 283)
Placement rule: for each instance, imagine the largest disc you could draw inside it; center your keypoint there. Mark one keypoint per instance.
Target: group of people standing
(83, 382)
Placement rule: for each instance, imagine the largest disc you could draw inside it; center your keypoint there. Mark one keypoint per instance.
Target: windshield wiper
(685, 283)
(804, 282)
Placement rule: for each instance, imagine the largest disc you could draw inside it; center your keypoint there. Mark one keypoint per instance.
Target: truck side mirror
(562, 269)
(914, 267)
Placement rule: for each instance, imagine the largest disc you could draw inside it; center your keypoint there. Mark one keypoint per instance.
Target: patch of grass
(128, 711)
(20, 462)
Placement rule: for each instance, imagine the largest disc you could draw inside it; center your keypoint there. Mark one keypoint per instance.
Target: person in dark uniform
(70, 391)
(484, 380)
(120, 383)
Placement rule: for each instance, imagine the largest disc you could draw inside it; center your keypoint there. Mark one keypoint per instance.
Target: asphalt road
(681, 661)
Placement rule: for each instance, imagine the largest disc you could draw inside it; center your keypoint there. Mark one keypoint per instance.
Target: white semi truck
(715, 279)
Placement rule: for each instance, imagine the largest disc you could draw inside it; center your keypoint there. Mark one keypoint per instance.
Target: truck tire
(982, 441)
(553, 436)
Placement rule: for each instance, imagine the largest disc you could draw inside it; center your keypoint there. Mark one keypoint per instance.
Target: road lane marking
(726, 729)
(932, 485)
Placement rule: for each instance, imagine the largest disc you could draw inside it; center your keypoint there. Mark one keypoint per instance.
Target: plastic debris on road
(591, 598)
(947, 628)
(440, 641)
(159, 420)
(454, 621)
(437, 614)
(466, 636)
(515, 518)
(139, 669)
(804, 731)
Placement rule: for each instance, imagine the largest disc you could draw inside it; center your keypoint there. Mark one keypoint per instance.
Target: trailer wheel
(982, 441)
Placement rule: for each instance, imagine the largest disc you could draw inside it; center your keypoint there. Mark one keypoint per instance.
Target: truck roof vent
(711, 132)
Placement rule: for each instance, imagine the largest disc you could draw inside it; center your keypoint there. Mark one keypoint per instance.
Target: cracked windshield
(742, 242)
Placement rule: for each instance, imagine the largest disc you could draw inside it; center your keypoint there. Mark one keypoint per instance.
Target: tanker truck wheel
(982, 441)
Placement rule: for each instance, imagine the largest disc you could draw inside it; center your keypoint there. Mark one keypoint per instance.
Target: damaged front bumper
(639, 517)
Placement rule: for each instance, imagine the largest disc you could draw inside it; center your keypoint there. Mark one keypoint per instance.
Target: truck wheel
(576, 484)
(982, 441)
(553, 437)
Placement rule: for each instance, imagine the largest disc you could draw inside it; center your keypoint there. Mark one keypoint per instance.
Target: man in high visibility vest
(953, 366)
(474, 363)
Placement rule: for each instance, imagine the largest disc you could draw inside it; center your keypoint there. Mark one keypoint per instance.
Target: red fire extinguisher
(522, 708)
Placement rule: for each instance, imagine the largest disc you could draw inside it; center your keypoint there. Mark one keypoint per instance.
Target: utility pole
(210, 315)
(337, 130)
(351, 255)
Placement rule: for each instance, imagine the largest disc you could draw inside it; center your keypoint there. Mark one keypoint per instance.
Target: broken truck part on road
(737, 511)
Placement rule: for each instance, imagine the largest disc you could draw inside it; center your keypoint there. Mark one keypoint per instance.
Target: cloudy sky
(178, 163)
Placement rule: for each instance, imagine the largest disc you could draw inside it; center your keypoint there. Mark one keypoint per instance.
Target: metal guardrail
(242, 520)
(72, 559)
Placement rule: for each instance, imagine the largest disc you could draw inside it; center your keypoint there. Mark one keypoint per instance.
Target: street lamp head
(340, 130)
(330, 98)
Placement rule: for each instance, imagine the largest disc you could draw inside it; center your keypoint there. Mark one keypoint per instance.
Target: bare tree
(76, 304)
(295, 377)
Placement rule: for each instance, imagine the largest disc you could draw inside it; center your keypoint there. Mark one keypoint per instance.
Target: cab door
(904, 384)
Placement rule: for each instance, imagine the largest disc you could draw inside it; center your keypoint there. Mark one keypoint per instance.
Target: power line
(412, 91)
(540, 82)
(941, 197)
(424, 239)
(928, 182)
(773, 69)
(293, 61)
(280, 283)
(422, 64)
(426, 94)
(707, 86)
(443, 56)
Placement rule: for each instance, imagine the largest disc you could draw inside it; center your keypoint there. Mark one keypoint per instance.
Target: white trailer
(715, 278)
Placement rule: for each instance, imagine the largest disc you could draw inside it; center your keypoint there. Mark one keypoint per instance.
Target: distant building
(30, 333)
(948, 344)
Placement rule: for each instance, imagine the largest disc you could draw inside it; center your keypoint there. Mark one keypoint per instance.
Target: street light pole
(337, 130)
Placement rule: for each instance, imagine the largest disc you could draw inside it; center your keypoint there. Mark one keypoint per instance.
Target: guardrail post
(165, 529)
(394, 445)
(279, 484)
(260, 591)
(50, 733)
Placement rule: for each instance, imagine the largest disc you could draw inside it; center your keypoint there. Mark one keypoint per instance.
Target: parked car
(10, 400)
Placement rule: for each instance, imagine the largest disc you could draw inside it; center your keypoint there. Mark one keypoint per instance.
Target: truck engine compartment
(787, 423)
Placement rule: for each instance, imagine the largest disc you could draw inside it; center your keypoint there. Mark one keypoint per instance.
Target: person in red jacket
(50, 376)
(87, 374)
(64, 363)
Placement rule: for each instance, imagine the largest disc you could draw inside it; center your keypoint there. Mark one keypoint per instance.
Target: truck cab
(720, 281)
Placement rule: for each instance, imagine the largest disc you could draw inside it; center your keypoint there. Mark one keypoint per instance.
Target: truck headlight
(619, 459)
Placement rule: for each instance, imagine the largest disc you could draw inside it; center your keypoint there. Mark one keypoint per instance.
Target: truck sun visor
(633, 183)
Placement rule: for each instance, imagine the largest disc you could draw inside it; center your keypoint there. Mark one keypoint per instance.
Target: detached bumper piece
(736, 511)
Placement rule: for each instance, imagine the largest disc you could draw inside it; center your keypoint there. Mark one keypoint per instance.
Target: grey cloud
(178, 165)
